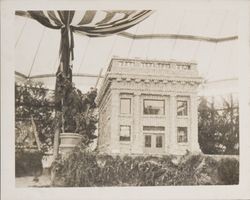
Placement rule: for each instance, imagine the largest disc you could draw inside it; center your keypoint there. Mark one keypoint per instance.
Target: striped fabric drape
(91, 23)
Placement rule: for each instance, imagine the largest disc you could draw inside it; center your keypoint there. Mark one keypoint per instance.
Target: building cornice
(173, 82)
(151, 78)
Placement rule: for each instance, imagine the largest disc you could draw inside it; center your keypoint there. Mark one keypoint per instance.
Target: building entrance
(154, 143)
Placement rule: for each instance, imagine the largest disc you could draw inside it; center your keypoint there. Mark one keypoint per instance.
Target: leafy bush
(78, 110)
(228, 171)
(33, 99)
(85, 169)
(28, 163)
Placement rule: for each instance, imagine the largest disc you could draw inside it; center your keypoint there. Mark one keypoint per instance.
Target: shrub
(228, 171)
(78, 110)
(83, 169)
(28, 163)
(187, 170)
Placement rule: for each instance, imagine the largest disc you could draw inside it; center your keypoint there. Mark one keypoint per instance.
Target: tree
(207, 127)
(34, 106)
(229, 125)
(218, 128)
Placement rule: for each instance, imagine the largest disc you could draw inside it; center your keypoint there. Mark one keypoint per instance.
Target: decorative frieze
(160, 86)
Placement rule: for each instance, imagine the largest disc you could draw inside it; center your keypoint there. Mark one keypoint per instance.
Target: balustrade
(152, 64)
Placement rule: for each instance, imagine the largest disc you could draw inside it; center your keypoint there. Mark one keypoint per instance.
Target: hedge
(28, 163)
(88, 169)
(228, 171)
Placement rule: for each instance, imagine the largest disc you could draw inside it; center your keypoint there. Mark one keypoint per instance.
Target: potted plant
(78, 118)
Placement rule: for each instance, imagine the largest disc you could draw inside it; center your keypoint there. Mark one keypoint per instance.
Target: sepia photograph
(127, 98)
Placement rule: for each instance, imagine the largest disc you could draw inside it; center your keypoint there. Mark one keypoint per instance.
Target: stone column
(172, 123)
(137, 135)
(115, 124)
(193, 133)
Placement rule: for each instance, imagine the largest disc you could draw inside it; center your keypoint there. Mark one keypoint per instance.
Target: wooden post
(213, 112)
(99, 76)
(231, 114)
(55, 146)
(56, 136)
(35, 133)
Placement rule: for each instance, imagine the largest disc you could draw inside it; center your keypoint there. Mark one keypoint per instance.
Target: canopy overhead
(208, 37)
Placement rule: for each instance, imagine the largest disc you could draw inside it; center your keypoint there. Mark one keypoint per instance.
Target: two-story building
(148, 107)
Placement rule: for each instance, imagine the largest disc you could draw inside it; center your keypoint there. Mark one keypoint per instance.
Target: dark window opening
(182, 108)
(125, 132)
(147, 140)
(159, 141)
(153, 107)
(182, 135)
(153, 128)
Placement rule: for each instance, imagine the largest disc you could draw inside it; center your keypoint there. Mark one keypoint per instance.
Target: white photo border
(10, 192)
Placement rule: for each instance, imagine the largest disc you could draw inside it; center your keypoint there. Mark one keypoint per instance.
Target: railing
(152, 64)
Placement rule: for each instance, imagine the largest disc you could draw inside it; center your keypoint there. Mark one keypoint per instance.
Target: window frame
(130, 105)
(159, 136)
(186, 137)
(125, 136)
(187, 104)
(154, 129)
(154, 133)
(149, 136)
(162, 100)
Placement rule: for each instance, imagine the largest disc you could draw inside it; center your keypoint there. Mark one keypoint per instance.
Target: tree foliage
(32, 99)
(79, 112)
(218, 127)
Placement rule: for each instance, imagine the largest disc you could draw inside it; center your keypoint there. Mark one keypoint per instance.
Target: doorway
(154, 143)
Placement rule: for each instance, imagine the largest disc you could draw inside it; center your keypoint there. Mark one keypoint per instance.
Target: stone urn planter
(69, 141)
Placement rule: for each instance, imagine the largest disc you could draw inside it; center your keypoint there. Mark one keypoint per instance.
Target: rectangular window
(147, 140)
(182, 108)
(125, 132)
(159, 141)
(125, 107)
(182, 135)
(153, 107)
(153, 128)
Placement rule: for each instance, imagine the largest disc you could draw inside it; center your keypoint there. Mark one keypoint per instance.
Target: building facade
(148, 107)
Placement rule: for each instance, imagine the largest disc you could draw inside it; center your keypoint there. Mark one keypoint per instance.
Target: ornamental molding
(154, 87)
(149, 77)
(155, 80)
